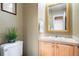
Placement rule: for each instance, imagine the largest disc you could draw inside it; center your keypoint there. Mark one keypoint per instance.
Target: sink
(56, 38)
(52, 38)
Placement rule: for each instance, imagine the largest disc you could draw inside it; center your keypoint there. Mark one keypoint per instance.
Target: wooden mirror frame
(67, 19)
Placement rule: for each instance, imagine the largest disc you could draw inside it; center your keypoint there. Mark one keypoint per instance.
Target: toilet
(12, 49)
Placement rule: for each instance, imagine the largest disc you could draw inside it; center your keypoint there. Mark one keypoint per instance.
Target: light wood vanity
(57, 49)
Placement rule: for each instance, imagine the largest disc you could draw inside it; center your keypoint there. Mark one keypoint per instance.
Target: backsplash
(76, 38)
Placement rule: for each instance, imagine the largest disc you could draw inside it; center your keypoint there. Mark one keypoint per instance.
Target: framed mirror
(58, 17)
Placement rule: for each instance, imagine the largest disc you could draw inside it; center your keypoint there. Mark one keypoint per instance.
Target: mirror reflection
(57, 17)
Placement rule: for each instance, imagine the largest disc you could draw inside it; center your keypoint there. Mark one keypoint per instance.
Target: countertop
(62, 40)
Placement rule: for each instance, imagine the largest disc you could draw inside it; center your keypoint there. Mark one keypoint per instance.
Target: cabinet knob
(53, 45)
(57, 46)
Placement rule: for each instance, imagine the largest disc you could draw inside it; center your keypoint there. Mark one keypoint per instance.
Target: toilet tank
(12, 49)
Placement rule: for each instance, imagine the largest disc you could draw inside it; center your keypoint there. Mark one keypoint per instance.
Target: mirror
(58, 17)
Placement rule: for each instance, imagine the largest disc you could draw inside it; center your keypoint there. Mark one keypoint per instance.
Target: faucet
(56, 36)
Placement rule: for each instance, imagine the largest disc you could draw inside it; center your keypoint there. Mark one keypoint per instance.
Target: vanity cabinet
(56, 49)
(46, 49)
(65, 50)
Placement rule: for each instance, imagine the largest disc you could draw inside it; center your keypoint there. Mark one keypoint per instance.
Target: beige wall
(30, 29)
(75, 18)
(78, 20)
(8, 20)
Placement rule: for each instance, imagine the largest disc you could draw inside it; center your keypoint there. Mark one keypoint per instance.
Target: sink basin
(51, 38)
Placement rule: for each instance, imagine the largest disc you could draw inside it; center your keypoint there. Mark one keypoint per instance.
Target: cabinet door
(46, 49)
(64, 50)
(76, 51)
